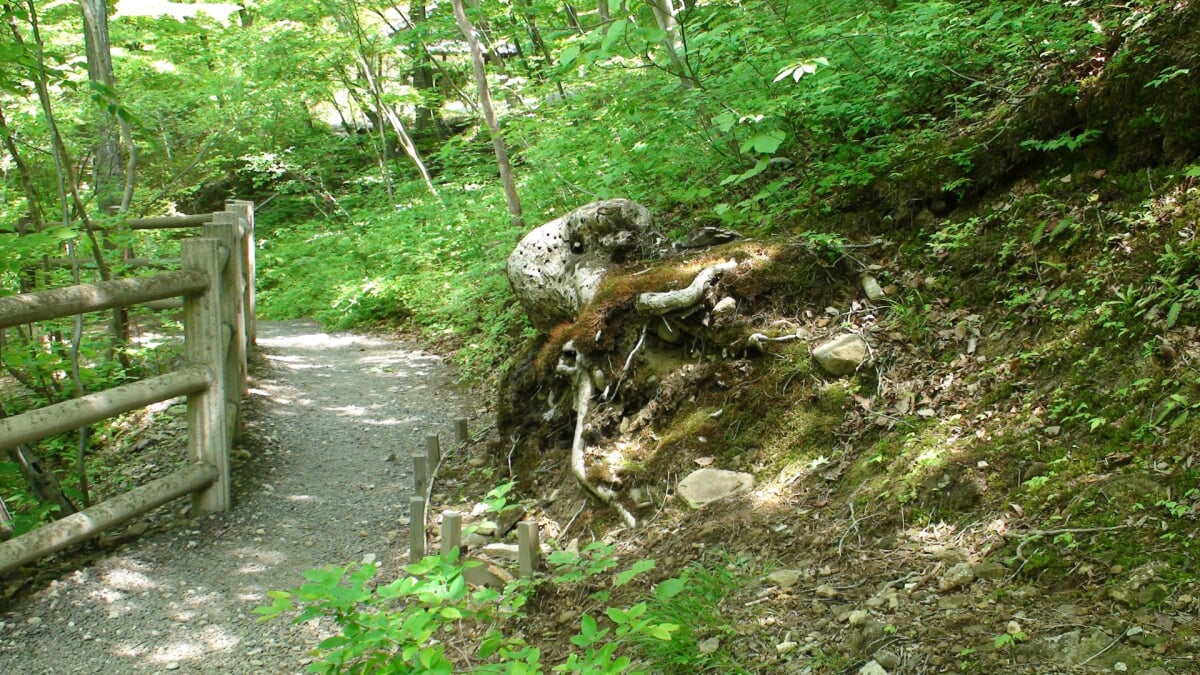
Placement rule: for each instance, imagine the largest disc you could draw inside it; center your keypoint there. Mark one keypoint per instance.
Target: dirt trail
(326, 414)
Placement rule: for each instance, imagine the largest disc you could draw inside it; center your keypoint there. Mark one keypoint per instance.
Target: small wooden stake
(416, 529)
(529, 548)
(460, 431)
(420, 473)
(433, 450)
(451, 531)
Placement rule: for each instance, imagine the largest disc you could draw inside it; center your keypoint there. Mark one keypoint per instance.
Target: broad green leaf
(651, 34)
(638, 568)
(568, 55)
(662, 631)
(765, 143)
(726, 120)
(670, 588)
(615, 32)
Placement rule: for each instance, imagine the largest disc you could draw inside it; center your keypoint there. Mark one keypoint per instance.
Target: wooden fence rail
(217, 286)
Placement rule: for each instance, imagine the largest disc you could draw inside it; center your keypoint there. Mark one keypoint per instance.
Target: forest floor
(318, 485)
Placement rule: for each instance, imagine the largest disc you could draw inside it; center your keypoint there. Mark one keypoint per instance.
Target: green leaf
(726, 120)
(618, 615)
(758, 168)
(451, 613)
(662, 631)
(651, 34)
(568, 55)
(1173, 313)
(615, 32)
(765, 143)
(670, 588)
(638, 568)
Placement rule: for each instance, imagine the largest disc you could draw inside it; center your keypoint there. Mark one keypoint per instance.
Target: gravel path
(327, 412)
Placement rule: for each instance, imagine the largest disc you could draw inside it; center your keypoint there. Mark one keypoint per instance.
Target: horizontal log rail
(62, 417)
(59, 302)
(169, 222)
(217, 288)
(93, 520)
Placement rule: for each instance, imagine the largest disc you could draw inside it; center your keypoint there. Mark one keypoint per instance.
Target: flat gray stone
(706, 486)
(842, 355)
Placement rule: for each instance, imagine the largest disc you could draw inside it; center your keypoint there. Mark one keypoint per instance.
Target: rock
(872, 288)
(499, 550)
(708, 646)
(724, 306)
(826, 591)
(843, 355)
(786, 579)
(961, 574)
(1144, 585)
(990, 570)
(705, 486)
(487, 575)
(555, 269)
(887, 659)
(872, 668)
(857, 617)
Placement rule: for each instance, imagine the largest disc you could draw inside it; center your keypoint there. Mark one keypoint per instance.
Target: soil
(318, 485)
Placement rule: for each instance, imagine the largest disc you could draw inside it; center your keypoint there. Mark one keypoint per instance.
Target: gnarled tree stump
(556, 269)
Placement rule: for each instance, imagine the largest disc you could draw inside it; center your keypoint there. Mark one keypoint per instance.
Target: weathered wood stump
(556, 269)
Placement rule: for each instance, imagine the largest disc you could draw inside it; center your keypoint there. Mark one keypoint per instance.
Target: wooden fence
(216, 282)
(425, 468)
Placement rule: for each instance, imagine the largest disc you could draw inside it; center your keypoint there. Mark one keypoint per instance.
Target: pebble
(826, 591)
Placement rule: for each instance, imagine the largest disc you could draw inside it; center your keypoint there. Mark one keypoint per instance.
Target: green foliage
(395, 627)
(694, 601)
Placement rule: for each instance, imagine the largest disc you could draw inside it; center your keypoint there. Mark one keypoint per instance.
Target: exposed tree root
(670, 301)
(583, 397)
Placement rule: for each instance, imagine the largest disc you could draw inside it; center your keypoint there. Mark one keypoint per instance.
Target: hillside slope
(1008, 484)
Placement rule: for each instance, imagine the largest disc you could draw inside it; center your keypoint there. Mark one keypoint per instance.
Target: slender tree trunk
(108, 175)
(539, 44)
(422, 78)
(489, 113)
(27, 278)
(113, 183)
(348, 20)
(665, 15)
(385, 111)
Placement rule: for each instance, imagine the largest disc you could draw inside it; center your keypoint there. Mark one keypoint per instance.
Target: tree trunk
(422, 79)
(489, 113)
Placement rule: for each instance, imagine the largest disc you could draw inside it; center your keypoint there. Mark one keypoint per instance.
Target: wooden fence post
(420, 473)
(416, 528)
(225, 229)
(433, 451)
(451, 531)
(245, 209)
(204, 345)
(460, 431)
(529, 548)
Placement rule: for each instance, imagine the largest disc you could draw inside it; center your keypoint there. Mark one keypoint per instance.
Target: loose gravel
(328, 417)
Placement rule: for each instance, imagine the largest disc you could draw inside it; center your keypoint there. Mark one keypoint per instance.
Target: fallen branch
(670, 301)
